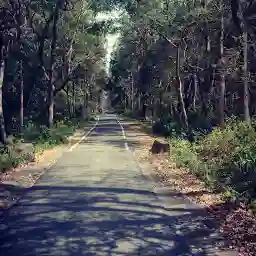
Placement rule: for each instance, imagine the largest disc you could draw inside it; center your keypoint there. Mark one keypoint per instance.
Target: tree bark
(68, 103)
(51, 86)
(73, 99)
(195, 82)
(85, 99)
(21, 97)
(3, 137)
(132, 92)
(139, 103)
(180, 89)
(222, 72)
(247, 117)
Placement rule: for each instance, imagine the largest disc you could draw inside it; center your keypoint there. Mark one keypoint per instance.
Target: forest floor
(15, 181)
(236, 222)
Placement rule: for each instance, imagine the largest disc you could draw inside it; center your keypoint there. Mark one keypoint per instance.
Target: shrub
(31, 131)
(37, 138)
(14, 156)
(40, 138)
(166, 127)
(225, 158)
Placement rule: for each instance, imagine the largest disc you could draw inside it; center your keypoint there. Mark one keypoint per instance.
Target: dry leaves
(26, 175)
(236, 223)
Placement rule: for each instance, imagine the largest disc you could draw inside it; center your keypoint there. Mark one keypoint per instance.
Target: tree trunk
(85, 100)
(139, 103)
(180, 90)
(52, 60)
(246, 79)
(222, 72)
(125, 101)
(21, 97)
(68, 103)
(132, 92)
(73, 99)
(2, 124)
(195, 82)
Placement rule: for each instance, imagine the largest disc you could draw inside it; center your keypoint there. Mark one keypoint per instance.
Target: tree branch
(68, 78)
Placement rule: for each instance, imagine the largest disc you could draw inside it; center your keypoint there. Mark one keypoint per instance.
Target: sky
(111, 39)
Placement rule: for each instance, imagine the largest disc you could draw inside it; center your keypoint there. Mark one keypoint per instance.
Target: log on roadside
(159, 147)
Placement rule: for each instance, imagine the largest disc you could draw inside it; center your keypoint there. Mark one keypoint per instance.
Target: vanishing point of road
(96, 201)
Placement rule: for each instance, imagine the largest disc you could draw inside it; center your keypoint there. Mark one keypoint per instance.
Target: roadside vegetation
(21, 149)
(51, 74)
(225, 160)
(188, 68)
(185, 67)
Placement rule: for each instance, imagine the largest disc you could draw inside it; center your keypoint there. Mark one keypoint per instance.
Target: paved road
(95, 201)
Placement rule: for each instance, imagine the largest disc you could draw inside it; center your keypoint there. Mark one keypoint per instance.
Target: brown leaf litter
(14, 181)
(235, 222)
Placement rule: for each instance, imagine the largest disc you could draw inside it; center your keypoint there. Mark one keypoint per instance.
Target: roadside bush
(225, 158)
(130, 113)
(183, 153)
(57, 135)
(31, 131)
(166, 127)
(5, 161)
(37, 139)
(15, 155)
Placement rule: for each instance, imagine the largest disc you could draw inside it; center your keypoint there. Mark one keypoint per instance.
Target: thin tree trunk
(21, 97)
(132, 96)
(73, 99)
(180, 84)
(139, 103)
(125, 100)
(68, 103)
(222, 72)
(195, 91)
(85, 99)
(51, 76)
(3, 137)
(246, 78)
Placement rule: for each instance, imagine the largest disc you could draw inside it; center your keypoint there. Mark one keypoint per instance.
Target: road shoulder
(15, 182)
(169, 179)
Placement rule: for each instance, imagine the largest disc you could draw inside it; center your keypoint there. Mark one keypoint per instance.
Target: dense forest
(52, 71)
(187, 66)
(52, 62)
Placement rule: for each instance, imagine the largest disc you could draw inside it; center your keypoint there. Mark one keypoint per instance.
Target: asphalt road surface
(95, 201)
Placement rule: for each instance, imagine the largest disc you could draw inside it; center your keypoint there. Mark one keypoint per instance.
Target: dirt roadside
(236, 223)
(16, 181)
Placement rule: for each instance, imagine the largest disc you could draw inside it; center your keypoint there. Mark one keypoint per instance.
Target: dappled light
(127, 127)
(95, 201)
(102, 220)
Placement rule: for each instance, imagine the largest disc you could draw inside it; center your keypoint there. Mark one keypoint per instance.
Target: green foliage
(77, 54)
(41, 137)
(166, 127)
(51, 137)
(225, 158)
(14, 156)
(5, 161)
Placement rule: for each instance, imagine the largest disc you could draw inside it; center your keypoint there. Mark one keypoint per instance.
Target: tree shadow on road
(60, 220)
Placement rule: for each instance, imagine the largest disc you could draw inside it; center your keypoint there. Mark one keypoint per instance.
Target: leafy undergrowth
(225, 160)
(28, 158)
(184, 173)
(34, 141)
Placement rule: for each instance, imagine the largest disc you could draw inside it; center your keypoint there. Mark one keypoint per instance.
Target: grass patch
(35, 140)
